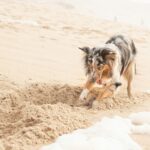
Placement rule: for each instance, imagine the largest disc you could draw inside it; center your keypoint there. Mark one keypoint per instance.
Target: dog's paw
(84, 94)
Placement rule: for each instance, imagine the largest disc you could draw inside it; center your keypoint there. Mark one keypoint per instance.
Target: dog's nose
(117, 84)
(99, 81)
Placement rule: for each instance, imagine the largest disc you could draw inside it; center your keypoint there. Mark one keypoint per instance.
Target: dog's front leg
(88, 86)
(116, 76)
(116, 81)
(116, 85)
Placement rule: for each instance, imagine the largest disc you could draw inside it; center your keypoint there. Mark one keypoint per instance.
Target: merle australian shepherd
(107, 65)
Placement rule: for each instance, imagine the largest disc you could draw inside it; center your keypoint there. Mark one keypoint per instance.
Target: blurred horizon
(134, 12)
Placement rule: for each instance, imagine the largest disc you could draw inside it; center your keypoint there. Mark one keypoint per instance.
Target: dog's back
(126, 47)
(120, 40)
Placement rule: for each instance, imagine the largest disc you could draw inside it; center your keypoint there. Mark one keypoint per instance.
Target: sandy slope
(38, 52)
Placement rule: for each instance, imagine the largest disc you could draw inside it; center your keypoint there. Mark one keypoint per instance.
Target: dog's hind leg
(129, 73)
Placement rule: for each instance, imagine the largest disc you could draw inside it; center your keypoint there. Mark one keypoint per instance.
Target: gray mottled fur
(126, 48)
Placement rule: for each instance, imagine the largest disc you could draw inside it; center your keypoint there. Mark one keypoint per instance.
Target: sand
(38, 113)
(41, 73)
(34, 115)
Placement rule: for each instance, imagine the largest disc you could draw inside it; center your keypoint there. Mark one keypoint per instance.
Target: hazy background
(135, 12)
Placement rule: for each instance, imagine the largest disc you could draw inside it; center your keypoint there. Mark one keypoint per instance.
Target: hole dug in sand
(37, 114)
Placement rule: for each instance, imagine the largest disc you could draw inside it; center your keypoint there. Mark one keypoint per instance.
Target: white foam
(141, 122)
(108, 134)
(141, 129)
(140, 118)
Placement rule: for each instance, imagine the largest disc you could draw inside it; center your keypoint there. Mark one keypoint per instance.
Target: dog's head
(99, 63)
(103, 60)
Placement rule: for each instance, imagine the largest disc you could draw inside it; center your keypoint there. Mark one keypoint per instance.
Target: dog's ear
(85, 49)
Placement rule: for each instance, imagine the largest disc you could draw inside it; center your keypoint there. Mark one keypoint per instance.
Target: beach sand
(42, 75)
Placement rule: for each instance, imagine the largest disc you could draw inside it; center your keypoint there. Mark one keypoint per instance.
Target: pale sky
(136, 12)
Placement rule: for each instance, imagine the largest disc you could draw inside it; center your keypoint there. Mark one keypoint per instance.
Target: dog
(106, 66)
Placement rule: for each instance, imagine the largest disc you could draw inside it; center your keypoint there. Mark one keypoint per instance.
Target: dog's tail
(134, 50)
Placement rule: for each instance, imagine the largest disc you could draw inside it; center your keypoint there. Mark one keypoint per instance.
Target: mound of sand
(29, 117)
(38, 113)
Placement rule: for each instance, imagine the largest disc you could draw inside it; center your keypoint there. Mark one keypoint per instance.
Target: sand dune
(41, 73)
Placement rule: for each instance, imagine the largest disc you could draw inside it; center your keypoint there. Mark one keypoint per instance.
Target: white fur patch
(84, 94)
